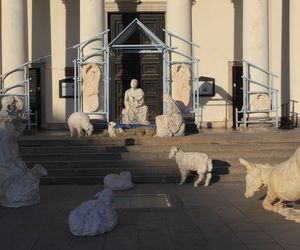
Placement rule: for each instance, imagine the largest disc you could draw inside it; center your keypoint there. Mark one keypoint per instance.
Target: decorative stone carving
(260, 102)
(80, 122)
(171, 123)
(18, 185)
(181, 83)
(91, 83)
(192, 161)
(12, 113)
(118, 182)
(94, 217)
(135, 111)
(282, 182)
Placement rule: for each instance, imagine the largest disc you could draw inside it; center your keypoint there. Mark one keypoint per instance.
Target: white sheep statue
(112, 130)
(24, 190)
(80, 122)
(192, 161)
(94, 217)
(282, 182)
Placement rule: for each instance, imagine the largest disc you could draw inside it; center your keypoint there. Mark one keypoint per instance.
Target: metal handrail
(14, 69)
(94, 38)
(181, 38)
(260, 68)
(271, 92)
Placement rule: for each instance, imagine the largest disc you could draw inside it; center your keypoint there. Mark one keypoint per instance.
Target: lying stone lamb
(24, 190)
(118, 182)
(94, 217)
(112, 130)
(192, 161)
(80, 122)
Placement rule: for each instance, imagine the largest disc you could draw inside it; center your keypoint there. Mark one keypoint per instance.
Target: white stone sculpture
(12, 113)
(171, 123)
(135, 111)
(282, 182)
(18, 185)
(118, 182)
(91, 83)
(24, 190)
(11, 166)
(94, 217)
(80, 122)
(181, 83)
(192, 161)
(112, 130)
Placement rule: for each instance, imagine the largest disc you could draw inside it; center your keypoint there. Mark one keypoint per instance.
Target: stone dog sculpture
(192, 161)
(80, 122)
(282, 182)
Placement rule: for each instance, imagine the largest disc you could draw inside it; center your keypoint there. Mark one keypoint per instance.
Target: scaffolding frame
(269, 90)
(156, 46)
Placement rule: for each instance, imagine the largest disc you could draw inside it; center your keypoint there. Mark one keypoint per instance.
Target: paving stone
(121, 242)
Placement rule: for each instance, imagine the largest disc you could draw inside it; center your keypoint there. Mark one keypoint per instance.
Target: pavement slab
(216, 217)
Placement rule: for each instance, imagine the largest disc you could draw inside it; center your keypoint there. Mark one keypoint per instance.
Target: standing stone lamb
(81, 122)
(192, 161)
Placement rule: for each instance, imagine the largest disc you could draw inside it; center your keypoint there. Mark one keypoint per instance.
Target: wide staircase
(88, 160)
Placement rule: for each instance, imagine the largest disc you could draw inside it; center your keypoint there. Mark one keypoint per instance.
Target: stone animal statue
(192, 161)
(282, 181)
(120, 181)
(24, 190)
(112, 130)
(80, 122)
(94, 217)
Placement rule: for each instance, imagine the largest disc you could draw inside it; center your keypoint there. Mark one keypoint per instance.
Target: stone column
(91, 24)
(295, 55)
(14, 40)
(256, 47)
(179, 22)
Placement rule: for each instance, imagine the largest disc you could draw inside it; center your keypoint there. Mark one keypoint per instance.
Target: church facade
(218, 33)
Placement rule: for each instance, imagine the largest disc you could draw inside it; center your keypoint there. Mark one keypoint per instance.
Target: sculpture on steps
(282, 182)
(135, 111)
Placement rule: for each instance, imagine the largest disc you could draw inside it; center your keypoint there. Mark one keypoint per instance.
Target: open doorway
(145, 67)
(237, 92)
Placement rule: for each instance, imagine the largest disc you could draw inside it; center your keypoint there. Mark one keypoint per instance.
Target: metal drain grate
(142, 201)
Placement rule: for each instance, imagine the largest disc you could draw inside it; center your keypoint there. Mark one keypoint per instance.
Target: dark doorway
(35, 97)
(237, 95)
(146, 68)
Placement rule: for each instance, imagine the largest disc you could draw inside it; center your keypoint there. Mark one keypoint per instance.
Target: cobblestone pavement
(216, 217)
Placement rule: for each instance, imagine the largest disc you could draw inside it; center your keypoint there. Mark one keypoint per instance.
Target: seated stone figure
(171, 123)
(135, 111)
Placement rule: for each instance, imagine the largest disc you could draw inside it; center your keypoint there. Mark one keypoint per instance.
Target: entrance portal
(145, 67)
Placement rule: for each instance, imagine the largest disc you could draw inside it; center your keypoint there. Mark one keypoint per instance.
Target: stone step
(153, 156)
(138, 179)
(155, 148)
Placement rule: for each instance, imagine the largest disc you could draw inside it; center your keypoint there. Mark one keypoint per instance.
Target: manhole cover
(142, 201)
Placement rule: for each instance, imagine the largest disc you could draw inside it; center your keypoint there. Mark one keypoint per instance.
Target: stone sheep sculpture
(94, 217)
(24, 190)
(120, 181)
(282, 182)
(112, 130)
(80, 122)
(192, 161)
